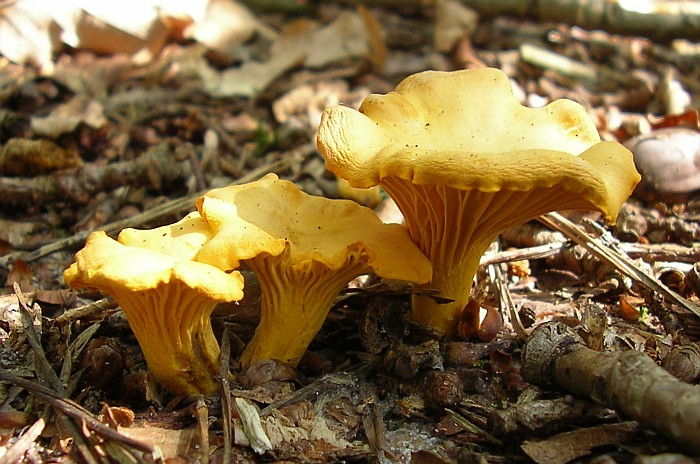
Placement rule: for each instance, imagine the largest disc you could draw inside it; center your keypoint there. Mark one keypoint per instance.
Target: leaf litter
(132, 139)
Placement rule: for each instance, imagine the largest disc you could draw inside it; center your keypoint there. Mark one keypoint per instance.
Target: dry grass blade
(226, 396)
(202, 414)
(604, 249)
(506, 301)
(15, 452)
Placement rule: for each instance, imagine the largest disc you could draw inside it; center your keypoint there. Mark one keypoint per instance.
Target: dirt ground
(93, 139)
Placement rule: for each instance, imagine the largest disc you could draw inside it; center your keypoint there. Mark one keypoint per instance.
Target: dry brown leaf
(172, 443)
(27, 158)
(21, 274)
(568, 446)
(31, 30)
(26, 35)
(224, 26)
(66, 117)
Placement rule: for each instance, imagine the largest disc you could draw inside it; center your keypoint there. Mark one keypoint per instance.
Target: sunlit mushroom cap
(182, 239)
(466, 130)
(270, 215)
(116, 268)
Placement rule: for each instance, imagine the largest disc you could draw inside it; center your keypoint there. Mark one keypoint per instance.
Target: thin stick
(203, 426)
(615, 257)
(226, 396)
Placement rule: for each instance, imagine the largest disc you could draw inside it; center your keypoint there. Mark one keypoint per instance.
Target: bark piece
(628, 381)
(156, 168)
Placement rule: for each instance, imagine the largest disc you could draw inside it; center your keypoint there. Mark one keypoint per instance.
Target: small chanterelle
(464, 160)
(167, 296)
(304, 250)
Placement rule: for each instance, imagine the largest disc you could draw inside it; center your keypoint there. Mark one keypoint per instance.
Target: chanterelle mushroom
(167, 297)
(304, 250)
(464, 160)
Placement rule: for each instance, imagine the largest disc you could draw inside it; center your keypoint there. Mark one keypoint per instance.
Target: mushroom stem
(295, 302)
(174, 331)
(453, 282)
(454, 227)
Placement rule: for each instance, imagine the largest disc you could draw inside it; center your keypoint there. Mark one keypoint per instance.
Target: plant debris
(184, 99)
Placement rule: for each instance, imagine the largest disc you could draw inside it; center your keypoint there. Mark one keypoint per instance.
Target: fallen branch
(173, 207)
(628, 381)
(661, 20)
(156, 167)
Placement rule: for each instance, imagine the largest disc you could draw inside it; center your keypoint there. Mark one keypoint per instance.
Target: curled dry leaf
(65, 118)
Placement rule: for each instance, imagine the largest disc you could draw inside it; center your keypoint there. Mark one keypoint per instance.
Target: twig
(650, 253)
(535, 252)
(156, 167)
(96, 307)
(616, 257)
(662, 21)
(203, 427)
(226, 395)
(543, 58)
(628, 381)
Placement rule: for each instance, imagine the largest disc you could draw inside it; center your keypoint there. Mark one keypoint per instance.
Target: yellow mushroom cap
(304, 250)
(182, 239)
(269, 215)
(466, 130)
(167, 301)
(464, 160)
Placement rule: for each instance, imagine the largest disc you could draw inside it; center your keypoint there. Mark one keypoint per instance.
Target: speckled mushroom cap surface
(465, 129)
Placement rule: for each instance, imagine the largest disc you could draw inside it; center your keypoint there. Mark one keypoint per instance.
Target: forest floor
(103, 142)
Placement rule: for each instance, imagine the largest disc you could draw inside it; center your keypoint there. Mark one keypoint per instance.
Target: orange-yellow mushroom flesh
(167, 301)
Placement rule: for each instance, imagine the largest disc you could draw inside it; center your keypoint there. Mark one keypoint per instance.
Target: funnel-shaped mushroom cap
(304, 250)
(463, 159)
(167, 300)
